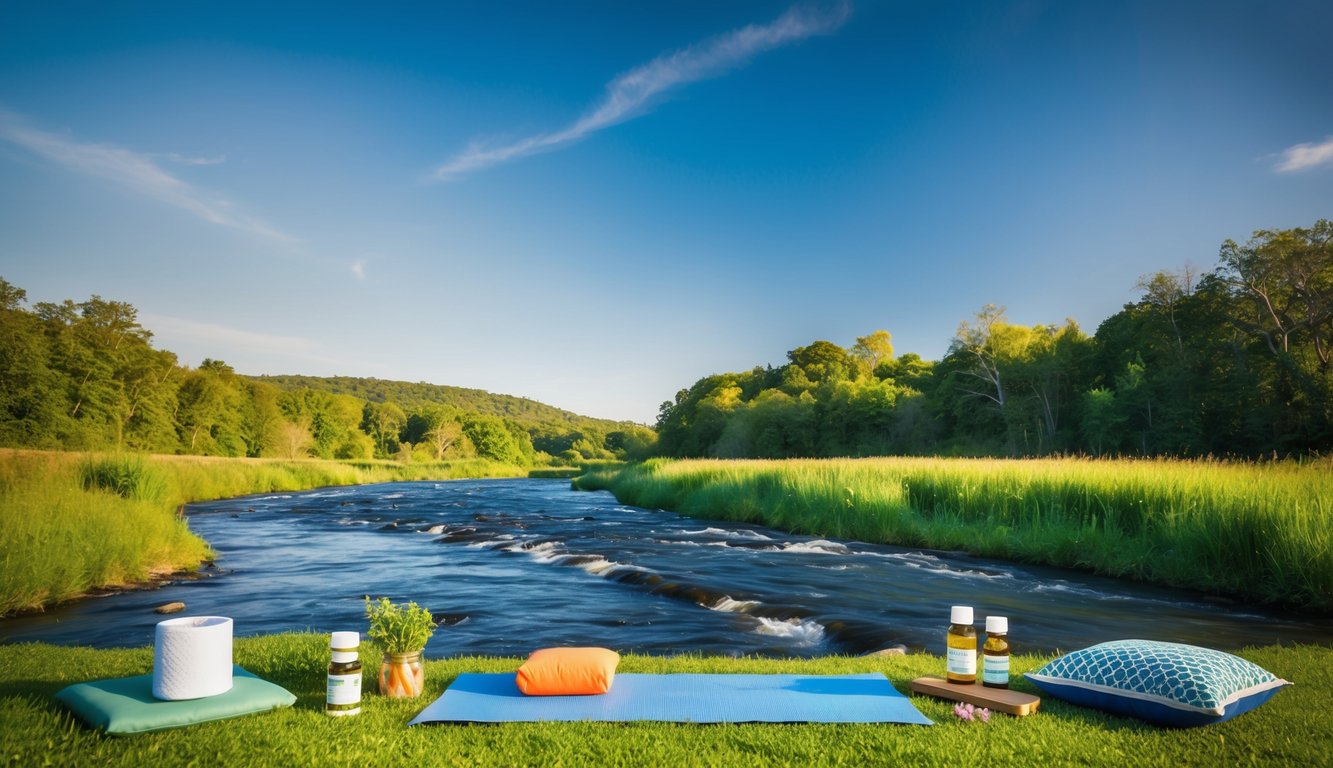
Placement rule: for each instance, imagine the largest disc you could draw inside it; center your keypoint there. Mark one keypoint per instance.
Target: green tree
(908, 370)
(211, 409)
(31, 405)
(1051, 369)
(633, 443)
(986, 344)
(1288, 277)
(1101, 420)
(874, 349)
(1166, 291)
(492, 439)
(823, 361)
(1285, 278)
(383, 422)
(261, 421)
(333, 421)
(443, 437)
(120, 388)
(982, 354)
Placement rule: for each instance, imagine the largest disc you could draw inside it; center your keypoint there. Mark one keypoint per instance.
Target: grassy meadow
(1257, 532)
(70, 522)
(1291, 729)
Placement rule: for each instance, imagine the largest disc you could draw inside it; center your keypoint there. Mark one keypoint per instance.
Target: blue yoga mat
(867, 698)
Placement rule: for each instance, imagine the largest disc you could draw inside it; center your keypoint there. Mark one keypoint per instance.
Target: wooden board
(997, 699)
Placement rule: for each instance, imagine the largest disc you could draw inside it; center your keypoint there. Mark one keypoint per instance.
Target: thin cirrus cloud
(137, 171)
(227, 340)
(1302, 157)
(631, 94)
(192, 160)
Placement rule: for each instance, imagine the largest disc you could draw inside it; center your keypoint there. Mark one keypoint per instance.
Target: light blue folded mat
(865, 698)
(126, 705)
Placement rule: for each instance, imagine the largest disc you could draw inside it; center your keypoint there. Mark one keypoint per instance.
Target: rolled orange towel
(568, 671)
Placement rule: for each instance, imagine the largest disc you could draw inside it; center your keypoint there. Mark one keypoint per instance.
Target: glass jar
(401, 675)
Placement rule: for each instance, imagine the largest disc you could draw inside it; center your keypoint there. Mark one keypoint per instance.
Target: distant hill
(412, 396)
(85, 376)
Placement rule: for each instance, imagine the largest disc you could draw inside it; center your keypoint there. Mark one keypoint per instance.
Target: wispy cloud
(225, 339)
(1305, 156)
(135, 170)
(631, 94)
(192, 160)
(359, 269)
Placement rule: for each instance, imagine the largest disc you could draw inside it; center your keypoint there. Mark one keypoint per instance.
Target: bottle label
(995, 670)
(344, 689)
(962, 661)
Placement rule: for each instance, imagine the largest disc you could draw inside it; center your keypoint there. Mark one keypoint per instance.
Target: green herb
(399, 628)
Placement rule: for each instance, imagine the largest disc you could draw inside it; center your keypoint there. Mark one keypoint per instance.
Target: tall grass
(70, 523)
(584, 467)
(126, 475)
(60, 537)
(1261, 532)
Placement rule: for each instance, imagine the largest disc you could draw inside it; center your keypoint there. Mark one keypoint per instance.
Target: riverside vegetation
(1234, 362)
(1291, 729)
(85, 376)
(70, 523)
(1259, 532)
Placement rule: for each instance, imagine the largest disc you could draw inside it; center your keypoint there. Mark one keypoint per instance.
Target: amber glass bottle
(995, 653)
(962, 646)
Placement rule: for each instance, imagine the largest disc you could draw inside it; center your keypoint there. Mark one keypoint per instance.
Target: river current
(508, 566)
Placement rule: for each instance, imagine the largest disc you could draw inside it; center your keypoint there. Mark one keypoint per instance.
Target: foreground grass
(1261, 532)
(1292, 729)
(72, 522)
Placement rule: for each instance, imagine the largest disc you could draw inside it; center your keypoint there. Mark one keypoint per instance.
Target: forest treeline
(85, 376)
(1231, 362)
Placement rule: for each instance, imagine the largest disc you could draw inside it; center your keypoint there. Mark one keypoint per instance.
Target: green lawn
(1292, 729)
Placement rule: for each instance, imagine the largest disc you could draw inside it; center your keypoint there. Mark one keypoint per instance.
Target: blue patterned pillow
(1166, 683)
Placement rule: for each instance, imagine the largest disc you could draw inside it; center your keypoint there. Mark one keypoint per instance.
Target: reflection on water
(513, 565)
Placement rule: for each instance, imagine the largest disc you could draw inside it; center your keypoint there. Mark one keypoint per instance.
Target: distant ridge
(410, 395)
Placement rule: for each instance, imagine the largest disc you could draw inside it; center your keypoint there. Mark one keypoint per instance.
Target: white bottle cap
(345, 641)
(960, 614)
(998, 625)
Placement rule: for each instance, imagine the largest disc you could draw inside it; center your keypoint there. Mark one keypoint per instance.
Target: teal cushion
(127, 705)
(1164, 683)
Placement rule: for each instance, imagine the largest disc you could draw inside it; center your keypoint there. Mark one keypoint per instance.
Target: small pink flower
(970, 713)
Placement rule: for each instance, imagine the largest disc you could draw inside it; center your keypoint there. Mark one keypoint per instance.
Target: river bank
(1259, 533)
(488, 556)
(72, 523)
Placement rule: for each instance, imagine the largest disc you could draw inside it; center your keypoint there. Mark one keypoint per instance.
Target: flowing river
(508, 566)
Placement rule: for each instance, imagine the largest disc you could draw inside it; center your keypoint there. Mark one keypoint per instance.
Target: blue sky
(595, 204)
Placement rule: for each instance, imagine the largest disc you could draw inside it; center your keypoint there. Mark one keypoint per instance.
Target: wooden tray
(978, 695)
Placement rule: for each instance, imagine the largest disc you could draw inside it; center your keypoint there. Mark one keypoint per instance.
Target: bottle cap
(345, 641)
(998, 625)
(960, 614)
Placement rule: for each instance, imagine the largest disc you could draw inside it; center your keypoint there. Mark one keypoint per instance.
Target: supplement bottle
(344, 688)
(962, 646)
(995, 653)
